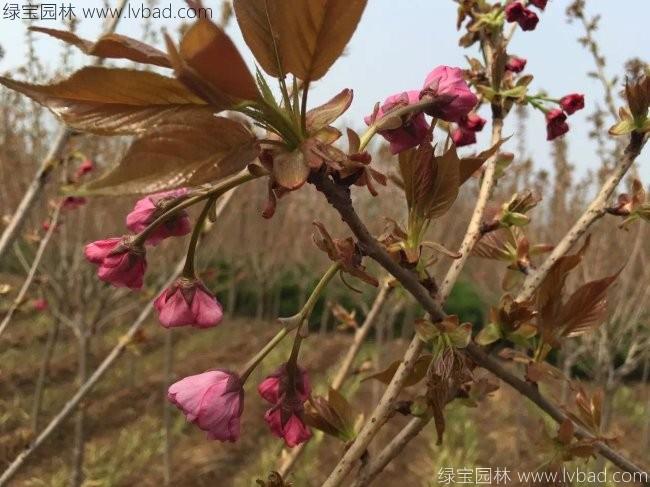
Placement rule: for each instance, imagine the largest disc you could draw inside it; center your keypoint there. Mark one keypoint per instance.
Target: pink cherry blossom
(447, 85)
(556, 124)
(515, 64)
(572, 102)
(213, 400)
(414, 129)
(119, 261)
(187, 302)
(288, 424)
(147, 209)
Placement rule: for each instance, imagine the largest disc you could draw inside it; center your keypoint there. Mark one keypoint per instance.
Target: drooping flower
(556, 124)
(213, 400)
(463, 137)
(414, 128)
(528, 20)
(447, 86)
(572, 102)
(515, 64)
(147, 209)
(274, 387)
(288, 423)
(514, 11)
(187, 302)
(120, 262)
(288, 393)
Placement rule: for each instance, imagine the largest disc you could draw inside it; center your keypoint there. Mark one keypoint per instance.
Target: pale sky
(399, 41)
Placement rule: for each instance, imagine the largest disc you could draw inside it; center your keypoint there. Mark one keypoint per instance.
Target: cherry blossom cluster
(453, 103)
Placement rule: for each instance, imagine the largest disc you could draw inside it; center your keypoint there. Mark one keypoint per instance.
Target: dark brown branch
(339, 197)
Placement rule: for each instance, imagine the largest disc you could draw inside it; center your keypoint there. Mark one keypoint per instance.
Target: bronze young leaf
(257, 20)
(586, 308)
(302, 37)
(322, 116)
(186, 150)
(213, 56)
(418, 373)
(112, 46)
(111, 101)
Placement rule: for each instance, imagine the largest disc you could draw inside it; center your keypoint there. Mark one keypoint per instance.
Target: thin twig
(344, 369)
(339, 197)
(110, 359)
(32, 270)
(595, 211)
(35, 188)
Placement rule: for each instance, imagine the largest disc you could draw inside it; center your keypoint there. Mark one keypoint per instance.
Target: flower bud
(515, 64)
(473, 122)
(414, 128)
(540, 4)
(572, 103)
(448, 85)
(463, 137)
(514, 11)
(556, 124)
(151, 207)
(120, 262)
(288, 423)
(187, 302)
(528, 20)
(274, 387)
(213, 400)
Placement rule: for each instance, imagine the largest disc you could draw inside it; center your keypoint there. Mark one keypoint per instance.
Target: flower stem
(303, 316)
(289, 324)
(216, 191)
(188, 270)
(259, 356)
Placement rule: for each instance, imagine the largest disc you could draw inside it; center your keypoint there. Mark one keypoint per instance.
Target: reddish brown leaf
(183, 151)
(213, 56)
(324, 115)
(112, 101)
(302, 37)
(418, 373)
(586, 308)
(111, 46)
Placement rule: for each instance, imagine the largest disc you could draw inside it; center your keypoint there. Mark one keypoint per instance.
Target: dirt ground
(125, 429)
